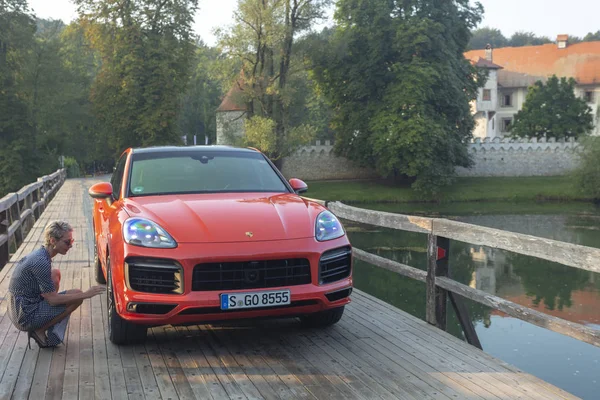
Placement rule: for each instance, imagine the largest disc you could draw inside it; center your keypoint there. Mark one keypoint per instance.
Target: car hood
(235, 217)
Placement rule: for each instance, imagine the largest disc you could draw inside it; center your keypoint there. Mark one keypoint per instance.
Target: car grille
(251, 274)
(154, 275)
(335, 265)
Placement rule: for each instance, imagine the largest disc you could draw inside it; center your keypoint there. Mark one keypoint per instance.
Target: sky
(543, 17)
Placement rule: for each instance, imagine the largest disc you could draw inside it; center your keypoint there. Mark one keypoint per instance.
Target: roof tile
(580, 61)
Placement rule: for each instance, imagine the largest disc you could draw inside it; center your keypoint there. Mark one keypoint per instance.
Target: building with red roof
(513, 69)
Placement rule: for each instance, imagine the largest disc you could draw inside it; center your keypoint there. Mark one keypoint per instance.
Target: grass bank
(527, 189)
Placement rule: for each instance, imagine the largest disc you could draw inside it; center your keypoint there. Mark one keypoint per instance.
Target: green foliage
(147, 51)
(16, 40)
(553, 110)
(555, 293)
(484, 36)
(72, 167)
(202, 96)
(400, 86)
(506, 191)
(261, 44)
(587, 175)
(481, 37)
(592, 36)
(519, 39)
(261, 134)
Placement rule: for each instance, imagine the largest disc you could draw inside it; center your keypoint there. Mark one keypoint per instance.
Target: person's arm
(55, 299)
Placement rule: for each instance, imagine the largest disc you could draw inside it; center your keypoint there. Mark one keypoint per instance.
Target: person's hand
(94, 290)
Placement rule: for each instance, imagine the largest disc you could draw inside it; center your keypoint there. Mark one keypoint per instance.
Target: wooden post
(4, 245)
(16, 216)
(36, 201)
(441, 253)
(436, 266)
(465, 320)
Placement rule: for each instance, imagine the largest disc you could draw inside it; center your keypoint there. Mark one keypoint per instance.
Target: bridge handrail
(436, 277)
(18, 211)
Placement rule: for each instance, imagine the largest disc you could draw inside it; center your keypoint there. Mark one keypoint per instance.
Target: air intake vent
(149, 308)
(217, 310)
(251, 274)
(335, 265)
(340, 294)
(154, 275)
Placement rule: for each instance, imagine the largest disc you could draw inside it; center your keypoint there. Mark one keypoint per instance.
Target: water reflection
(551, 288)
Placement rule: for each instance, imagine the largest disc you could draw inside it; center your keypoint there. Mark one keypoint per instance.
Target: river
(555, 289)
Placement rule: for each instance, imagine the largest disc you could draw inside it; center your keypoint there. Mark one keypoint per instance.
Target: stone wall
(492, 157)
(317, 162)
(509, 157)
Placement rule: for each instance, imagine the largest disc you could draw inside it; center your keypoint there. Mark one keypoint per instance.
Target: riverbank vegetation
(496, 189)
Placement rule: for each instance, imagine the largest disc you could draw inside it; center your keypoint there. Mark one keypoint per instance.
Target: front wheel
(120, 331)
(323, 319)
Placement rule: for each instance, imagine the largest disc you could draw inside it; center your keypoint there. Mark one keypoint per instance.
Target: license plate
(235, 301)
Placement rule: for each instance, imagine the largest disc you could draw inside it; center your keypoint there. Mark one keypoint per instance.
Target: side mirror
(102, 190)
(298, 185)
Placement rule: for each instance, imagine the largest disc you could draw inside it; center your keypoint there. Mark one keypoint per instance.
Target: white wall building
(512, 70)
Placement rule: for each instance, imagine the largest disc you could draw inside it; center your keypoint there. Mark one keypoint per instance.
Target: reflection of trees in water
(405, 293)
(546, 281)
(513, 274)
(462, 267)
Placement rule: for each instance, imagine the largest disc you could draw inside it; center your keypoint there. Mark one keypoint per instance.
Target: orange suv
(197, 234)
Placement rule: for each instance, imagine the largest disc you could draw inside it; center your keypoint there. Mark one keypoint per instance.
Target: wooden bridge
(375, 352)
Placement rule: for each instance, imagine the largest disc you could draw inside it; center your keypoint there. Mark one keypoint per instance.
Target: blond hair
(56, 230)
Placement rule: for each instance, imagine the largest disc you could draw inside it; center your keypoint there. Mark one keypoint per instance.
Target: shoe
(37, 339)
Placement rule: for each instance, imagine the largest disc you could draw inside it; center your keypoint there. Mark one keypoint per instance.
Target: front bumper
(202, 306)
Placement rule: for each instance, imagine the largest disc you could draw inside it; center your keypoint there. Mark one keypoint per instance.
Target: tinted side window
(117, 177)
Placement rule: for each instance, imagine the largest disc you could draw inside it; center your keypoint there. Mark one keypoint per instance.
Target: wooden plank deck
(375, 352)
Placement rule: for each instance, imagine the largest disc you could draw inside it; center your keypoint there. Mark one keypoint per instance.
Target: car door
(108, 210)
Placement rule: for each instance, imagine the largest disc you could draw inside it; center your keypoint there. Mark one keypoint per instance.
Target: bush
(72, 167)
(587, 176)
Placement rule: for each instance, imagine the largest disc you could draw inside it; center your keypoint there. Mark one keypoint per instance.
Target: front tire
(120, 331)
(323, 319)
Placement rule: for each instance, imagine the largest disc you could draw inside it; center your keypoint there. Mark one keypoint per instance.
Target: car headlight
(328, 227)
(145, 233)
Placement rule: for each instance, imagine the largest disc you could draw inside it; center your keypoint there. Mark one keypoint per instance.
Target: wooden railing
(439, 287)
(19, 211)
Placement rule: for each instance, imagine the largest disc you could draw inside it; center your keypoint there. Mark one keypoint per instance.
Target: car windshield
(178, 172)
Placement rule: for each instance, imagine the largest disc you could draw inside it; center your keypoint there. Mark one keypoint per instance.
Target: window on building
(487, 94)
(506, 122)
(589, 96)
(507, 100)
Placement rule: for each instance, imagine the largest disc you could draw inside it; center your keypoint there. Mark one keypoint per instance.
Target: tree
(519, 39)
(202, 97)
(262, 41)
(587, 174)
(79, 136)
(16, 39)
(400, 86)
(552, 110)
(146, 50)
(591, 37)
(484, 36)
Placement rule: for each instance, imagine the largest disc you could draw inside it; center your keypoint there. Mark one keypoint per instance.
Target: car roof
(160, 149)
